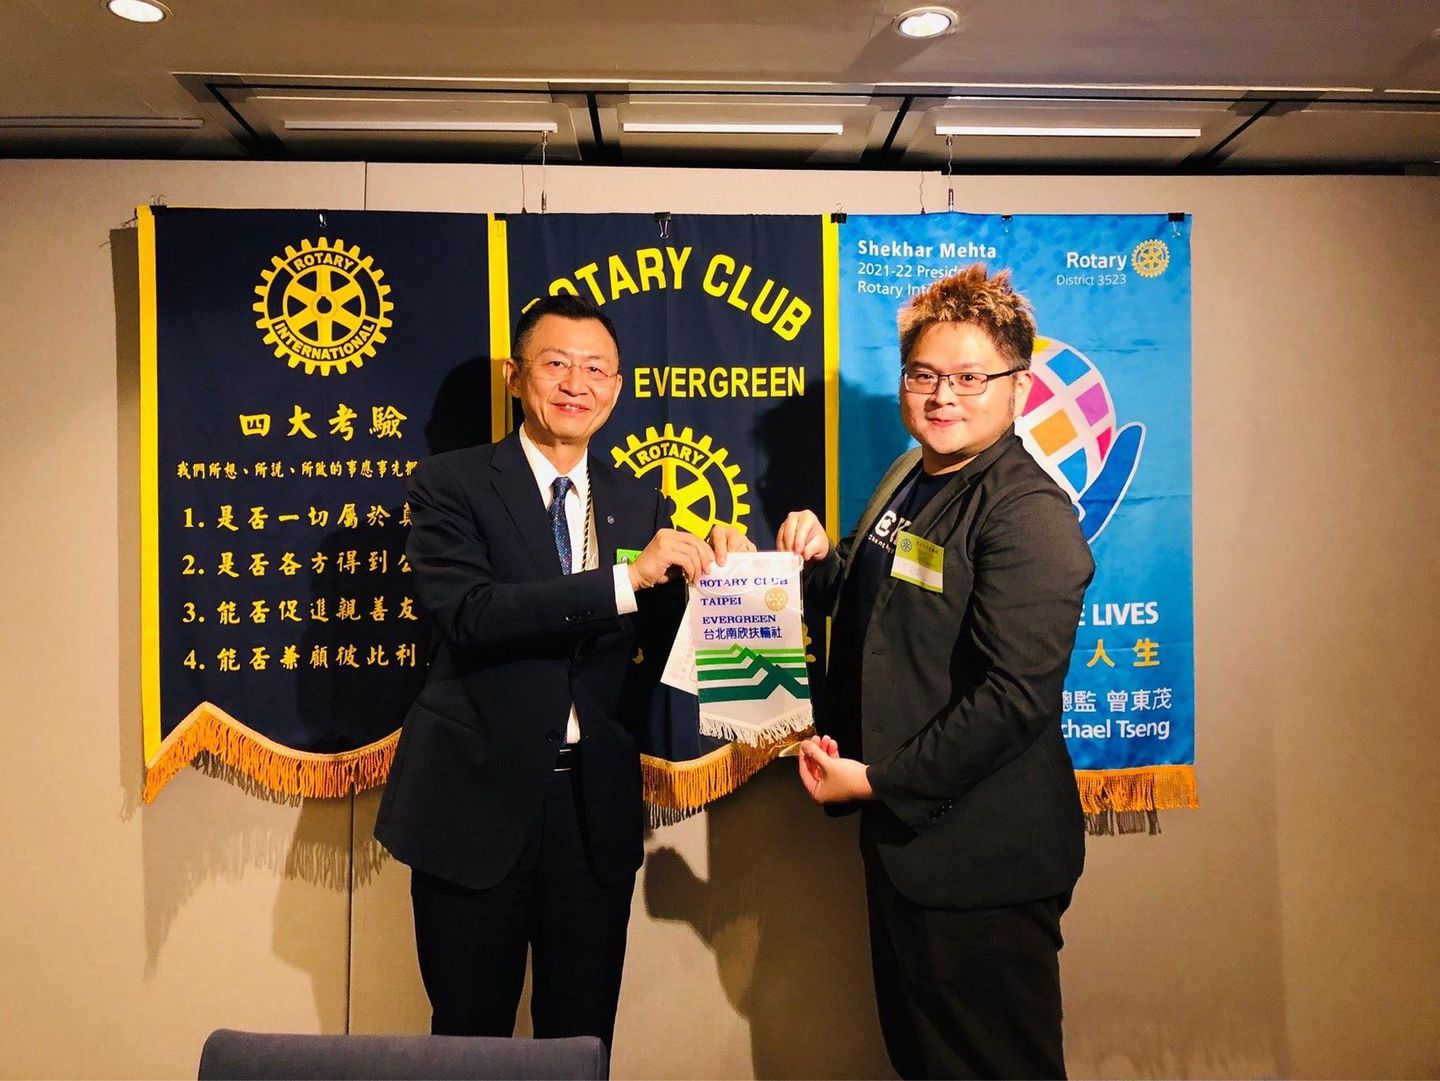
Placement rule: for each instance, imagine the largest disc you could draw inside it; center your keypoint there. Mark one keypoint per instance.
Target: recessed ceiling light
(138, 11)
(926, 22)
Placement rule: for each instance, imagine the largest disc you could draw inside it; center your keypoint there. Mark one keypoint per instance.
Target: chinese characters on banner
(1109, 418)
(296, 366)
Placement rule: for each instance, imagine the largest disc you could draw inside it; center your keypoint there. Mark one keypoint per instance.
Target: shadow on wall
(784, 913)
(200, 830)
(1191, 893)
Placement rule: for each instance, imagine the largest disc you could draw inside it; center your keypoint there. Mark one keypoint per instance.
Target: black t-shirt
(875, 553)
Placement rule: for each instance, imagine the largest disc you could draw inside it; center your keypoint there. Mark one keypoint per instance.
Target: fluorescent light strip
(517, 126)
(157, 122)
(646, 128)
(1081, 133)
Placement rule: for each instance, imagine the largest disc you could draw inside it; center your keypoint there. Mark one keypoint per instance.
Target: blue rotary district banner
(1108, 417)
(727, 342)
(295, 367)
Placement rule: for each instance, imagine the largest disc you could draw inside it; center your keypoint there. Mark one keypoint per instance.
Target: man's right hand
(669, 548)
(802, 533)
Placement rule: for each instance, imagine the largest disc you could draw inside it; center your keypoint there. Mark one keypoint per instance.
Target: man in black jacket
(515, 794)
(955, 605)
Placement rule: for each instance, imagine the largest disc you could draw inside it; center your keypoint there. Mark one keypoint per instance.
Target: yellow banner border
(501, 415)
(149, 490)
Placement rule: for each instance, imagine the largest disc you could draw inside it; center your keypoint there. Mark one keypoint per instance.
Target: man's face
(564, 406)
(953, 428)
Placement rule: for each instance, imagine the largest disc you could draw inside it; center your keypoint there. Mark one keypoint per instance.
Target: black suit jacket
(976, 802)
(520, 641)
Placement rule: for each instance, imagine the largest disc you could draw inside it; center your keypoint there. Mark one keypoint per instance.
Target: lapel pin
(609, 519)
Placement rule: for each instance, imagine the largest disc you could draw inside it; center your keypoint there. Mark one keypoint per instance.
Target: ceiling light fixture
(137, 11)
(136, 122)
(926, 22)
(546, 126)
(1083, 133)
(646, 128)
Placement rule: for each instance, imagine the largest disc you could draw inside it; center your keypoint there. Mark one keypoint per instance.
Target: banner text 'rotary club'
(770, 303)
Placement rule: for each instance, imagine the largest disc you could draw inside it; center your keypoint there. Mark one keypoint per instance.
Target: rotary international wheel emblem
(323, 306)
(706, 491)
(1150, 258)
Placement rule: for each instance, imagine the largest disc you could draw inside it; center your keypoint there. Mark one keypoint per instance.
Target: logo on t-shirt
(882, 533)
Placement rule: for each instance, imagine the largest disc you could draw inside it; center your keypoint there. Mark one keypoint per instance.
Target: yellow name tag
(918, 562)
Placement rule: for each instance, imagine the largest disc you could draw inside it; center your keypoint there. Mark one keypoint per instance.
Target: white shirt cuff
(625, 602)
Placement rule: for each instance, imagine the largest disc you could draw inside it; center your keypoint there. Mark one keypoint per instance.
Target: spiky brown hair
(973, 296)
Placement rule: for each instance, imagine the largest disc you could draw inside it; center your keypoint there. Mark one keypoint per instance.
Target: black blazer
(519, 642)
(976, 802)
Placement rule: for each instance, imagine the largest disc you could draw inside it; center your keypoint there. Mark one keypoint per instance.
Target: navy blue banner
(721, 321)
(302, 364)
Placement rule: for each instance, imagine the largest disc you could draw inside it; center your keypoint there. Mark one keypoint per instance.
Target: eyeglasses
(924, 381)
(557, 368)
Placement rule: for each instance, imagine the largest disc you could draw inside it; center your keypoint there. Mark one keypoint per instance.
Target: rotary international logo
(323, 306)
(706, 491)
(1150, 258)
(776, 599)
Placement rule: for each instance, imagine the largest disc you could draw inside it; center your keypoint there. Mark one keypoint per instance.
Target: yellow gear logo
(1150, 258)
(706, 491)
(323, 306)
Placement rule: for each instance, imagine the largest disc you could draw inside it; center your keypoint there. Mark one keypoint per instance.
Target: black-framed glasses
(924, 381)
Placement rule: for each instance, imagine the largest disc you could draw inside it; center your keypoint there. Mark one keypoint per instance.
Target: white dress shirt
(576, 519)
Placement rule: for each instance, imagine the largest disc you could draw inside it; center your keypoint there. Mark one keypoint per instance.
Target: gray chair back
(229, 1055)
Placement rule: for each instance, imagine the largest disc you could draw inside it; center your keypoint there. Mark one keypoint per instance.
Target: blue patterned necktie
(559, 488)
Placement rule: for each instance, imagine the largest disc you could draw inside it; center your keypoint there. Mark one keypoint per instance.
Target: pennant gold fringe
(677, 790)
(211, 733)
(1126, 800)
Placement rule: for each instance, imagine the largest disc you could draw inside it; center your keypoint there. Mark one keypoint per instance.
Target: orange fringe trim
(209, 730)
(676, 790)
(1150, 788)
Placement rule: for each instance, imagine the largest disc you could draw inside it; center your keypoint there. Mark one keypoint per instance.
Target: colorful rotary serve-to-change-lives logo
(706, 491)
(1069, 426)
(323, 306)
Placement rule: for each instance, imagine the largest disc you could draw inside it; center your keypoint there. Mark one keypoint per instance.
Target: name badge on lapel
(918, 562)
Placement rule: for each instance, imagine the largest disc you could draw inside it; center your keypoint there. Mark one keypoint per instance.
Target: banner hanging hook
(949, 171)
(544, 195)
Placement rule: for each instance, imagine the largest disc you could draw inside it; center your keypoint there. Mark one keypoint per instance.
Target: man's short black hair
(566, 305)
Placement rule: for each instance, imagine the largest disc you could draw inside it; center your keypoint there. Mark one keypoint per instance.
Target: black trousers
(967, 992)
(472, 943)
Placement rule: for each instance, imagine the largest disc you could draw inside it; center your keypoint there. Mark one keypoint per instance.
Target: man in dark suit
(955, 605)
(515, 794)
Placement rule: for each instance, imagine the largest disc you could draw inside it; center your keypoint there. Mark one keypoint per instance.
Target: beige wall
(1287, 929)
